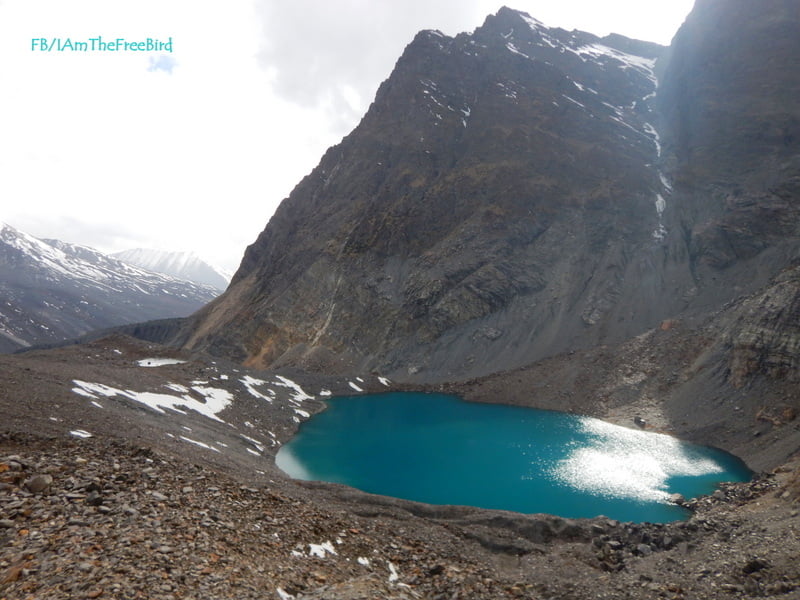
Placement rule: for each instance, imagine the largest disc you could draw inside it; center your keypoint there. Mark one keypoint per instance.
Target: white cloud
(651, 20)
(162, 62)
(324, 54)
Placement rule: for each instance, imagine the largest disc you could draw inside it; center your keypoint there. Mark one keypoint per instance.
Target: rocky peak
(518, 192)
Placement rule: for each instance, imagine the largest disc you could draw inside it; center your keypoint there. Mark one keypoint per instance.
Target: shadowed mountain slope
(523, 191)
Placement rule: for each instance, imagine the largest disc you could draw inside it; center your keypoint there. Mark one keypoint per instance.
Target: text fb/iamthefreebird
(100, 44)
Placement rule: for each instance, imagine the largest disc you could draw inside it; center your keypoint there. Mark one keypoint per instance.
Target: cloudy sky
(193, 149)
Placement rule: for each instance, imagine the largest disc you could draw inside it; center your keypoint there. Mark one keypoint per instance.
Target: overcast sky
(193, 149)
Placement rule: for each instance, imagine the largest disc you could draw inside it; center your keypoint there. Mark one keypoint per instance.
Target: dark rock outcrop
(765, 337)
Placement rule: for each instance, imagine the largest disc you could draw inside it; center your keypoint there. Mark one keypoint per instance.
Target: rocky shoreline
(107, 519)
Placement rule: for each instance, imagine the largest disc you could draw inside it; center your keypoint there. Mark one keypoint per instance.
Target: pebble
(94, 499)
(39, 484)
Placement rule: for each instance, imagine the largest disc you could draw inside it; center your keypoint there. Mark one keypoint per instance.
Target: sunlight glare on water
(619, 462)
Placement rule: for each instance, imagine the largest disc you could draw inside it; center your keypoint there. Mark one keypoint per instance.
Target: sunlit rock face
(523, 191)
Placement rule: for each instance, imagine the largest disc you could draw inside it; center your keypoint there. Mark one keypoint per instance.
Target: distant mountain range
(51, 291)
(182, 265)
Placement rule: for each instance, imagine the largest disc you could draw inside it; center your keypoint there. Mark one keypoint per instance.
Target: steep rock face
(729, 379)
(506, 198)
(765, 338)
(732, 132)
(730, 93)
(438, 224)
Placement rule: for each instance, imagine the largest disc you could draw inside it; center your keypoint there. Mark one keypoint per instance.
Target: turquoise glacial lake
(443, 450)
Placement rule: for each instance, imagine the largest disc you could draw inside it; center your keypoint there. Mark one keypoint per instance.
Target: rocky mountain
(52, 291)
(523, 191)
(181, 265)
(525, 215)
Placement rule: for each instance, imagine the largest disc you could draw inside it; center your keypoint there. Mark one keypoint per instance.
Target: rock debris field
(92, 519)
(110, 503)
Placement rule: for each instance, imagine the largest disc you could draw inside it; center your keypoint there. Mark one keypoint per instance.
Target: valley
(525, 216)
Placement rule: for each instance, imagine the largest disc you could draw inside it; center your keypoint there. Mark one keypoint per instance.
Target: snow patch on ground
(661, 204)
(320, 550)
(198, 443)
(259, 445)
(177, 387)
(574, 101)
(214, 400)
(159, 362)
(638, 63)
(515, 50)
(82, 392)
(651, 131)
(299, 395)
(250, 384)
(583, 88)
(534, 24)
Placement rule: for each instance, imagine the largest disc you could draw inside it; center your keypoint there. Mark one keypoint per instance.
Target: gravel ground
(136, 511)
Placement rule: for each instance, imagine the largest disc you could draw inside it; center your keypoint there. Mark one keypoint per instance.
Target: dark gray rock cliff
(729, 103)
(523, 191)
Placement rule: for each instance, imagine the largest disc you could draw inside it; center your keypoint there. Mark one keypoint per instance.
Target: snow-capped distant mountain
(51, 291)
(183, 265)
